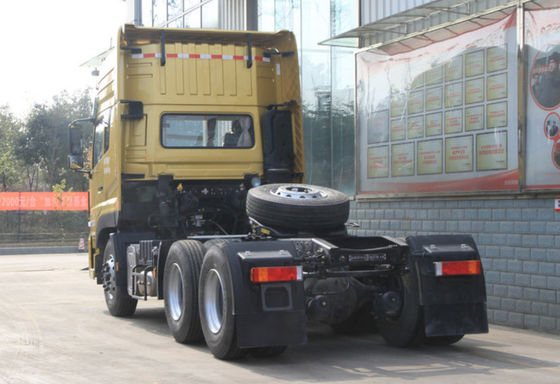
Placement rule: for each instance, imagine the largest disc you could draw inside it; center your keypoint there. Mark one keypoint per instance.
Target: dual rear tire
(180, 287)
(199, 300)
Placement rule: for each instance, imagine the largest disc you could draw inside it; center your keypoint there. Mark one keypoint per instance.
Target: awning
(429, 23)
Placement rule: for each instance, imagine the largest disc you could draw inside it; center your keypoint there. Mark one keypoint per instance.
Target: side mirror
(75, 162)
(76, 157)
(76, 147)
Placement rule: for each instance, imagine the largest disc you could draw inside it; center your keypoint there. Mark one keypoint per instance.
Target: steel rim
(110, 278)
(175, 291)
(214, 301)
(298, 192)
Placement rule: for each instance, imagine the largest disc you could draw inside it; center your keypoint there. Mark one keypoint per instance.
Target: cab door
(103, 206)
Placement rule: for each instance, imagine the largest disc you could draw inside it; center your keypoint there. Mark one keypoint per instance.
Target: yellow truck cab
(183, 111)
(196, 198)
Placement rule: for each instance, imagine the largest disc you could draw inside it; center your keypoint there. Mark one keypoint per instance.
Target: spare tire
(298, 206)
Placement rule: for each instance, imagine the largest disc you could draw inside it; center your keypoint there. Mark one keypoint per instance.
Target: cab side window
(101, 136)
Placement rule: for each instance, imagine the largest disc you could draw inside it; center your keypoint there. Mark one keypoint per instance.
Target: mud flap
(452, 305)
(265, 314)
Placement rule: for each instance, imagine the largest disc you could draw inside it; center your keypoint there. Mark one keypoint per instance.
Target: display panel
(451, 103)
(378, 161)
(543, 98)
(430, 158)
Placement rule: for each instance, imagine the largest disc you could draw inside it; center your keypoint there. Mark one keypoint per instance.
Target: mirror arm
(81, 120)
(86, 171)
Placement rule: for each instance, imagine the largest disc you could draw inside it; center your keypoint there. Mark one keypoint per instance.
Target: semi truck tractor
(198, 197)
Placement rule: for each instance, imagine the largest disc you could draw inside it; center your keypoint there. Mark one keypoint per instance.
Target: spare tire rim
(298, 192)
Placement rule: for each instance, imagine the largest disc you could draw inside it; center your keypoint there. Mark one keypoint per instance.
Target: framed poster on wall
(452, 118)
(543, 99)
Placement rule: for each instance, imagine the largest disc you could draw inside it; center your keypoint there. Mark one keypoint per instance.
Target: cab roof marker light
(275, 274)
(457, 268)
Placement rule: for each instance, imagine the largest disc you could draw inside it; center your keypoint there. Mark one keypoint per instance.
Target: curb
(39, 250)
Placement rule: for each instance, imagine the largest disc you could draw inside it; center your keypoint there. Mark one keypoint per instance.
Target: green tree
(44, 142)
(10, 167)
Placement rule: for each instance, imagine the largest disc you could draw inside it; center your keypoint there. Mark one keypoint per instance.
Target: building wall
(517, 240)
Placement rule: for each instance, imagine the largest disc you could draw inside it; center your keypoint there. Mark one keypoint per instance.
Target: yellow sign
(491, 151)
(378, 161)
(429, 157)
(416, 102)
(402, 159)
(434, 98)
(415, 127)
(433, 124)
(453, 95)
(497, 86)
(474, 91)
(496, 115)
(398, 129)
(496, 59)
(474, 118)
(454, 121)
(474, 63)
(459, 154)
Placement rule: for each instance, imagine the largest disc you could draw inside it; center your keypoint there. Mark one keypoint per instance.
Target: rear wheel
(117, 298)
(180, 290)
(216, 305)
(404, 328)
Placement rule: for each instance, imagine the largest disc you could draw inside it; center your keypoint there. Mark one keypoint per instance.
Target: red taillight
(271, 274)
(455, 268)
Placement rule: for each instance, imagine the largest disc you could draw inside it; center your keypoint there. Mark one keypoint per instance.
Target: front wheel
(215, 300)
(118, 300)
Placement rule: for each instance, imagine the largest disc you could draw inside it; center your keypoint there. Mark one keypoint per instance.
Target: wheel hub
(298, 192)
(175, 293)
(214, 301)
(109, 278)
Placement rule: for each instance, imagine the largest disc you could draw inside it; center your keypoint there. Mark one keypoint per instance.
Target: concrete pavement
(55, 328)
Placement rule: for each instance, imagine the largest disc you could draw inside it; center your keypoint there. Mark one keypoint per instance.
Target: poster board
(451, 115)
(542, 38)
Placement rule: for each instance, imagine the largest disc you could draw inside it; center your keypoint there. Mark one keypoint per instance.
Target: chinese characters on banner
(441, 118)
(543, 98)
(43, 201)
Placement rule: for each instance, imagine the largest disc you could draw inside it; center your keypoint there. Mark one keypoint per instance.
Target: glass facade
(327, 82)
(327, 73)
(180, 13)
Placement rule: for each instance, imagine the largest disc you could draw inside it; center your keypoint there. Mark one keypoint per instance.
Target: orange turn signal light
(273, 274)
(456, 268)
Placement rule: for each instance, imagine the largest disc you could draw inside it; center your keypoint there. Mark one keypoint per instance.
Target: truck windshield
(207, 131)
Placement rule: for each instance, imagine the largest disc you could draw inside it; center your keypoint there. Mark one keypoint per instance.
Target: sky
(46, 41)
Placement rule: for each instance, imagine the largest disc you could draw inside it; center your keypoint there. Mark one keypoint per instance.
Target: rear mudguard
(453, 305)
(265, 314)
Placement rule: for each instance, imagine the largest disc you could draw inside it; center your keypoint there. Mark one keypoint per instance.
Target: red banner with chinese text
(43, 201)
